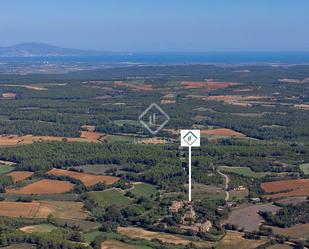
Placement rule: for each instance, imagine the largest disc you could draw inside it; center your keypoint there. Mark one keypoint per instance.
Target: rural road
(227, 194)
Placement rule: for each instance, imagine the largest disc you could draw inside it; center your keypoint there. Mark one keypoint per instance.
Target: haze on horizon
(158, 26)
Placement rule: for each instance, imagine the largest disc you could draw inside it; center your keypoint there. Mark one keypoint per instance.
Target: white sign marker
(190, 138)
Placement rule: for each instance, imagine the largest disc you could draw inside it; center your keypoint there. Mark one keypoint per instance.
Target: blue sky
(158, 25)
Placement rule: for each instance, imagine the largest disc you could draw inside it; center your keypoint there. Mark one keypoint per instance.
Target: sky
(158, 25)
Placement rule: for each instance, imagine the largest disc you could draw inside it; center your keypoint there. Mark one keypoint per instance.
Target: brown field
(302, 106)
(168, 101)
(18, 176)
(154, 140)
(235, 240)
(7, 163)
(59, 209)
(230, 99)
(43, 187)
(20, 246)
(86, 179)
(278, 186)
(9, 95)
(223, 132)
(210, 85)
(299, 231)
(62, 210)
(91, 135)
(295, 81)
(139, 233)
(88, 127)
(19, 209)
(31, 87)
(115, 244)
(248, 217)
(12, 140)
(293, 193)
(139, 87)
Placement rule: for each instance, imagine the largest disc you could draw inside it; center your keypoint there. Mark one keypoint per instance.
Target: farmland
(87, 179)
(5, 169)
(235, 240)
(300, 231)
(43, 187)
(42, 228)
(109, 198)
(19, 209)
(245, 171)
(222, 132)
(18, 176)
(58, 144)
(248, 217)
(42, 209)
(143, 189)
(305, 168)
(288, 188)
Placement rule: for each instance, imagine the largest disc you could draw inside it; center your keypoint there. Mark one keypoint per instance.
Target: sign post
(190, 138)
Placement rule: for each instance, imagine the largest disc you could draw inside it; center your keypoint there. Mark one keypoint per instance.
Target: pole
(189, 173)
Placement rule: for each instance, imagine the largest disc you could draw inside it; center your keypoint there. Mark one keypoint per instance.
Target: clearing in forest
(18, 176)
(287, 188)
(223, 132)
(43, 187)
(19, 209)
(86, 179)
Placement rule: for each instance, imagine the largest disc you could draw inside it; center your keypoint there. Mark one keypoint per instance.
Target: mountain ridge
(34, 49)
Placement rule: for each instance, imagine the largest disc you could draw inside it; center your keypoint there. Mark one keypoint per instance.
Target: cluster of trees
(288, 216)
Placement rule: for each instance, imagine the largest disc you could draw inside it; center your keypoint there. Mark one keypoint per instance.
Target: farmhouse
(176, 205)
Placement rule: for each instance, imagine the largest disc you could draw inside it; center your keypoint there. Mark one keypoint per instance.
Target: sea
(176, 58)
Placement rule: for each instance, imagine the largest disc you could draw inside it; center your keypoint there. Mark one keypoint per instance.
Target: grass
(299, 231)
(41, 228)
(235, 240)
(5, 169)
(145, 190)
(305, 168)
(113, 242)
(20, 246)
(110, 197)
(244, 171)
(206, 191)
(119, 138)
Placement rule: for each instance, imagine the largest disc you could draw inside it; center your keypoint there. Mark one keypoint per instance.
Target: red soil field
(18, 176)
(43, 187)
(298, 192)
(223, 132)
(141, 87)
(285, 185)
(212, 85)
(86, 179)
(19, 209)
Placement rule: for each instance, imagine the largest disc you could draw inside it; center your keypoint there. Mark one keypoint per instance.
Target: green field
(5, 169)
(305, 168)
(244, 171)
(119, 138)
(144, 189)
(109, 198)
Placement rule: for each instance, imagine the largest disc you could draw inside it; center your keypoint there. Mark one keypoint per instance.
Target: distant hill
(40, 49)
